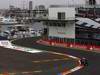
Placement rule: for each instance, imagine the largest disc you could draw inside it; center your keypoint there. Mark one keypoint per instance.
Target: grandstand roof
(87, 22)
(78, 6)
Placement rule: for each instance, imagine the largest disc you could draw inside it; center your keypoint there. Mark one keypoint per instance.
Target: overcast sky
(21, 3)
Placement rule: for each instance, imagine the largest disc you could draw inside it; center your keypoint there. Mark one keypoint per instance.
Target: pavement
(93, 58)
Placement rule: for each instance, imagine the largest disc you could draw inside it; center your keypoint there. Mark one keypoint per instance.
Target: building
(61, 23)
(30, 5)
(88, 24)
(26, 14)
(30, 9)
(40, 12)
(92, 2)
(3, 11)
(66, 25)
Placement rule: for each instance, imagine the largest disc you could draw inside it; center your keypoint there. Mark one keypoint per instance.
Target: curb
(72, 70)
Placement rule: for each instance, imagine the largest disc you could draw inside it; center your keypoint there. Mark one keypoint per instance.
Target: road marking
(38, 71)
(62, 54)
(48, 60)
(72, 70)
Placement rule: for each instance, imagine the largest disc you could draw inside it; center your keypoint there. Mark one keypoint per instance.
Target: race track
(24, 61)
(93, 58)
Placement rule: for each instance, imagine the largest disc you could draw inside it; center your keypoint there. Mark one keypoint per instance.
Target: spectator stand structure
(67, 28)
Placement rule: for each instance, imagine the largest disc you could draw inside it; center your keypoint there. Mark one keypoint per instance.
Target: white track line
(72, 70)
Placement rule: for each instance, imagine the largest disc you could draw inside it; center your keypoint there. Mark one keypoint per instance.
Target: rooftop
(77, 6)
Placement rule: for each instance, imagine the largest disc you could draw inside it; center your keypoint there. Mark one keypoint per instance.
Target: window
(92, 2)
(61, 15)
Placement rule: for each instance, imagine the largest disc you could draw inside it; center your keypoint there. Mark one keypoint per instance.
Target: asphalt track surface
(93, 58)
(17, 62)
(43, 63)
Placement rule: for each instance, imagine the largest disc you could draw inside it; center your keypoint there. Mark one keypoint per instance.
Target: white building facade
(61, 23)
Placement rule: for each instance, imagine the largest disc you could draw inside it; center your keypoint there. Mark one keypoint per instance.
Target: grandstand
(88, 24)
(74, 25)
